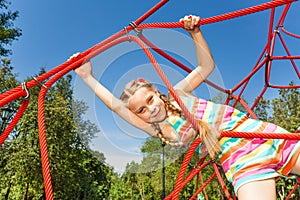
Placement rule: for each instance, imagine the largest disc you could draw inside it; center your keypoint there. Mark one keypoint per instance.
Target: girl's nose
(152, 108)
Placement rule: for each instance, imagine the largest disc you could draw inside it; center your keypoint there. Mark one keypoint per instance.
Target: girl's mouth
(157, 113)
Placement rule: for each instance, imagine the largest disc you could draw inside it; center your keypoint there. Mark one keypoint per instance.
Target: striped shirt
(243, 160)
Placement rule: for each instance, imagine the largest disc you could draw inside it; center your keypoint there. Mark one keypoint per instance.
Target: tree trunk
(25, 192)
(8, 190)
(281, 194)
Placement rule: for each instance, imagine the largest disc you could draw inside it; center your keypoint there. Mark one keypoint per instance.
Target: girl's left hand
(190, 23)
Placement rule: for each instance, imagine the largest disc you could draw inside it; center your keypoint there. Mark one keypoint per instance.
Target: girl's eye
(141, 110)
(150, 100)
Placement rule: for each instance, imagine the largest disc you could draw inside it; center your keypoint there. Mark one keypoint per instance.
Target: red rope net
(53, 75)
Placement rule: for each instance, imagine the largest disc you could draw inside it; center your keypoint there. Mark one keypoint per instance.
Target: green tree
(76, 171)
(8, 81)
(120, 189)
(8, 32)
(262, 109)
(144, 179)
(286, 112)
(7, 76)
(282, 110)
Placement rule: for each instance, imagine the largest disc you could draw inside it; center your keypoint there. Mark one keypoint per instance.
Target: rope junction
(265, 60)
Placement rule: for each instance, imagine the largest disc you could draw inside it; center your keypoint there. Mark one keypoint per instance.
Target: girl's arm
(205, 60)
(113, 103)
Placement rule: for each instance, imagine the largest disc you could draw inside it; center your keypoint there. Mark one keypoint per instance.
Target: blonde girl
(251, 165)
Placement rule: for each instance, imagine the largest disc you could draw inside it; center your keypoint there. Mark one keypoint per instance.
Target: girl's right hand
(85, 70)
(190, 23)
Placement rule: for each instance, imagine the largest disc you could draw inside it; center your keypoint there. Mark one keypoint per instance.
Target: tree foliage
(76, 171)
(8, 32)
(282, 110)
(144, 180)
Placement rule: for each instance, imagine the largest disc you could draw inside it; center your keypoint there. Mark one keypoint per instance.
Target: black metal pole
(3, 123)
(163, 171)
(5, 117)
(2, 127)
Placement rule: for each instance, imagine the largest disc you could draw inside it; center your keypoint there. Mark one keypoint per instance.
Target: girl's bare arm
(205, 60)
(113, 103)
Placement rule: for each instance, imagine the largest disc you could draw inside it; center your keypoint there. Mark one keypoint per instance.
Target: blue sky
(54, 30)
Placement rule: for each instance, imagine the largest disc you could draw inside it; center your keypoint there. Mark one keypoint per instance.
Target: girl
(250, 164)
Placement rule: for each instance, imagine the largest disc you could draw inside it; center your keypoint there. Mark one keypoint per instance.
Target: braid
(162, 138)
(170, 107)
(209, 135)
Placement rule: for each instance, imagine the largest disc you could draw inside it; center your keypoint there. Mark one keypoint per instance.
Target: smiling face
(147, 104)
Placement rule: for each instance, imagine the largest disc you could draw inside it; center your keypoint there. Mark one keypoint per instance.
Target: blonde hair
(208, 134)
(132, 87)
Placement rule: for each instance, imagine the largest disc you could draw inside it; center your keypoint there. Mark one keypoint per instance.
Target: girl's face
(147, 104)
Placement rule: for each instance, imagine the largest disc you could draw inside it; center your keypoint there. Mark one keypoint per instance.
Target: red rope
(223, 17)
(43, 146)
(66, 67)
(14, 121)
(223, 186)
(293, 190)
(289, 33)
(287, 136)
(203, 186)
(289, 56)
(88, 54)
(183, 167)
(41, 115)
(59, 71)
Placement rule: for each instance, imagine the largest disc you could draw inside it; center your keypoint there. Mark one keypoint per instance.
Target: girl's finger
(196, 21)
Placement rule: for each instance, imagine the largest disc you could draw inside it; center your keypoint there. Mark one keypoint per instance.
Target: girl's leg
(296, 168)
(258, 190)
